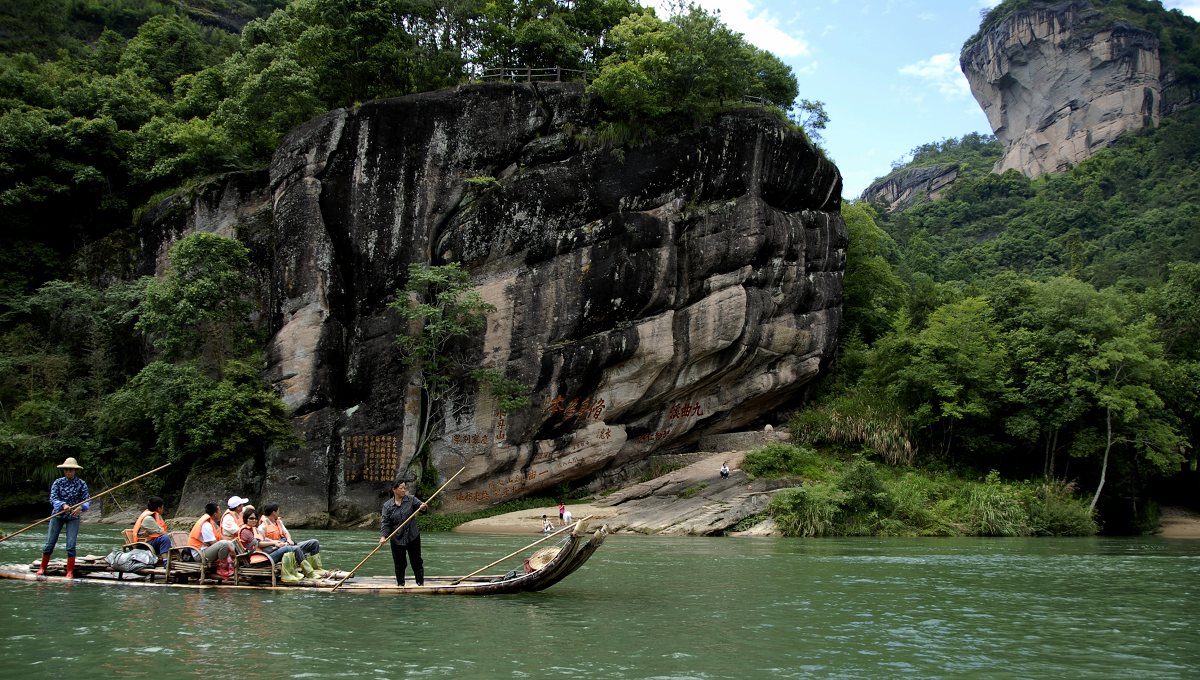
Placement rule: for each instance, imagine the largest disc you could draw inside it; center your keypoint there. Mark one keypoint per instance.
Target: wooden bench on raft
(183, 561)
(255, 564)
(132, 542)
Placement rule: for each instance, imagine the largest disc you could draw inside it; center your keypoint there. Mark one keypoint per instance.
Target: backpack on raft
(131, 561)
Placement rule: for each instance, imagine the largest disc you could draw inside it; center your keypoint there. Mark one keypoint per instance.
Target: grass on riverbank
(853, 496)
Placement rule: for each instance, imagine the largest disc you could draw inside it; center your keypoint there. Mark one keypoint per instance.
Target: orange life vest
(194, 536)
(273, 531)
(137, 526)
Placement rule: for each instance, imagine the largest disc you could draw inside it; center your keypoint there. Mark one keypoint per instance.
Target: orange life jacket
(273, 530)
(137, 526)
(194, 536)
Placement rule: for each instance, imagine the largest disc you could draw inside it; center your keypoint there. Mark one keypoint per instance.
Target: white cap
(235, 501)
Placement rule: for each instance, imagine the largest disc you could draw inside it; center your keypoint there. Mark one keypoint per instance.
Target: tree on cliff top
(684, 69)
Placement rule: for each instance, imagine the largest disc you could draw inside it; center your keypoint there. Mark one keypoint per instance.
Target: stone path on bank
(691, 501)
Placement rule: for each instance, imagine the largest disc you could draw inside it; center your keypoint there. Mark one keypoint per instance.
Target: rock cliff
(646, 296)
(1059, 82)
(902, 189)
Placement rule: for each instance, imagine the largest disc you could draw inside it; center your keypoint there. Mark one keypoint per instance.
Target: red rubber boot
(70, 567)
(45, 560)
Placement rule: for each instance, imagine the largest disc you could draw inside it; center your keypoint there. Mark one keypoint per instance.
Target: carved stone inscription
(370, 458)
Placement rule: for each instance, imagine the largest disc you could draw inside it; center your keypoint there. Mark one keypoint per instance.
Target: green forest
(1043, 332)
(108, 106)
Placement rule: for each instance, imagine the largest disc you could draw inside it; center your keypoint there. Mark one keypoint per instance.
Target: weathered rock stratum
(1060, 82)
(910, 186)
(645, 295)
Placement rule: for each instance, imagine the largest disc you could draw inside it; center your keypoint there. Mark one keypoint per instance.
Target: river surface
(647, 607)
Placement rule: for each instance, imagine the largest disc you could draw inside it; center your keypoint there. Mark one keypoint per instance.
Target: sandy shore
(530, 521)
(1179, 523)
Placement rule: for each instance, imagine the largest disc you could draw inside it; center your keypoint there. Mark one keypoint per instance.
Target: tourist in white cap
(231, 521)
(68, 498)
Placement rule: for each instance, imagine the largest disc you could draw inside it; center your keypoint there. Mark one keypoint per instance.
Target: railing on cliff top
(558, 74)
(528, 74)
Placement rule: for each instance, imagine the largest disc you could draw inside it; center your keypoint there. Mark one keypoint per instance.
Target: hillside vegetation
(107, 106)
(1044, 328)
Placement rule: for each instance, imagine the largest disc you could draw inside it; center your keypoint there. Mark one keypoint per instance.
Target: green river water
(647, 607)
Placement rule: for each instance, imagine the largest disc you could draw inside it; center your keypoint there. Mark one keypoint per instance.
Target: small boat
(539, 571)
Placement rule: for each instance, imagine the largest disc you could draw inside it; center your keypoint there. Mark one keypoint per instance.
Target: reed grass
(809, 510)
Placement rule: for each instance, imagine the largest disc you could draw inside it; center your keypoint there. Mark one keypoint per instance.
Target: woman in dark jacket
(406, 543)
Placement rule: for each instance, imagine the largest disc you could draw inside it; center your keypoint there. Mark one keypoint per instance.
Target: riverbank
(696, 500)
(1178, 522)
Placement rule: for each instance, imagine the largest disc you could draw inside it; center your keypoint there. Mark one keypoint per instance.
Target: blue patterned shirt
(67, 492)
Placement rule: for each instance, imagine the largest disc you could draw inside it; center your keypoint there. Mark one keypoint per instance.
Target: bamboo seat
(132, 542)
(184, 560)
(255, 564)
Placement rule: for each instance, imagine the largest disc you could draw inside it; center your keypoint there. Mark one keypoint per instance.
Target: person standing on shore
(406, 543)
(66, 491)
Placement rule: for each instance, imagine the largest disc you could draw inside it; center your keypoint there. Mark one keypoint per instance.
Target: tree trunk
(1104, 465)
(1054, 452)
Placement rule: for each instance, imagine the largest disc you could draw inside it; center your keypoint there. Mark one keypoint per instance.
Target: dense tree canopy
(105, 105)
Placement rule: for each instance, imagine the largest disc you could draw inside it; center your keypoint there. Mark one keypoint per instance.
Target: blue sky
(887, 70)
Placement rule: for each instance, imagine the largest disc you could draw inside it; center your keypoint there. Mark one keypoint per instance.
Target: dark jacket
(394, 515)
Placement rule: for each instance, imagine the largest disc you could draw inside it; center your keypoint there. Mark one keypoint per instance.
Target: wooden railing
(527, 74)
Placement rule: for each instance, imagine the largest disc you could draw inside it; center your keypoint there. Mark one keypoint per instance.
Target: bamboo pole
(397, 529)
(547, 537)
(89, 500)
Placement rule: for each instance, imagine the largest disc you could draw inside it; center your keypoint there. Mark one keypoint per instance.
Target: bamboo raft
(538, 572)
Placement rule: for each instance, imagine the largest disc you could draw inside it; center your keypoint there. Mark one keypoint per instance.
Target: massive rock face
(1058, 83)
(645, 295)
(911, 186)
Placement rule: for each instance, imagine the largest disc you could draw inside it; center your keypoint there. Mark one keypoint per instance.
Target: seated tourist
(276, 535)
(231, 521)
(204, 536)
(150, 528)
(247, 537)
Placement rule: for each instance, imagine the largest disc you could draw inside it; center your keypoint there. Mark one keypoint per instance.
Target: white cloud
(1188, 7)
(761, 28)
(940, 71)
(807, 69)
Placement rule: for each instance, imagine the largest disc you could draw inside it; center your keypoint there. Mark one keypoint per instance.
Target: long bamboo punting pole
(397, 529)
(547, 537)
(89, 500)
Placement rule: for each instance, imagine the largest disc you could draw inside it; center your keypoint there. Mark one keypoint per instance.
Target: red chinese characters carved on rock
(653, 436)
(685, 410)
(587, 408)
